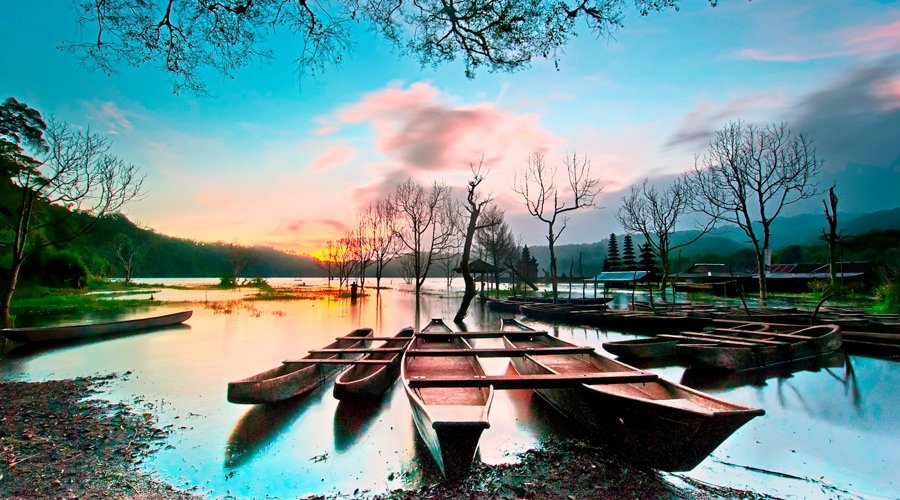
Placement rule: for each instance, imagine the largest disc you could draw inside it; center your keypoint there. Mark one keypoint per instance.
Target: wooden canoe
(662, 424)
(615, 319)
(292, 379)
(369, 381)
(664, 347)
(812, 342)
(449, 420)
(90, 331)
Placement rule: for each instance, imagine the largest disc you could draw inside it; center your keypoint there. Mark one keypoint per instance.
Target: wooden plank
(373, 338)
(500, 352)
(337, 361)
(735, 338)
(727, 341)
(534, 381)
(357, 350)
(481, 335)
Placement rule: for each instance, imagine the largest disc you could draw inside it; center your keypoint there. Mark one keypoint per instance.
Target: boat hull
(369, 382)
(661, 424)
(80, 332)
(757, 357)
(450, 421)
(290, 380)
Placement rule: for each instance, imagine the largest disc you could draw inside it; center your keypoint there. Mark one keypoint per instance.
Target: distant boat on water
(70, 333)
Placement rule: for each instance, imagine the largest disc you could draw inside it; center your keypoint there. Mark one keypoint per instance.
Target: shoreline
(57, 440)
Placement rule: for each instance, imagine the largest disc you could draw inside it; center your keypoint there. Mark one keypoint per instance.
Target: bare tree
(344, 257)
(383, 238)
(70, 173)
(238, 258)
(127, 253)
(186, 38)
(831, 237)
(474, 205)
(426, 224)
(654, 214)
(747, 177)
(496, 242)
(537, 187)
(361, 247)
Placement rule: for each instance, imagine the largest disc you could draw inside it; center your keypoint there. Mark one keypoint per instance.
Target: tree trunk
(554, 278)
(469, 294)
(761, 262)
(8, 293)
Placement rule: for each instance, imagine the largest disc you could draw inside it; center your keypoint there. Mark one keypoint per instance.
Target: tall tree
(613, 260)
(186, 38)
(383, 236)
(361, 248)
(832, 236)
(628, 258)
(747, 177)
(542, 198)
(474, 205)
(655, 213)
(427, 224)
(66, 174)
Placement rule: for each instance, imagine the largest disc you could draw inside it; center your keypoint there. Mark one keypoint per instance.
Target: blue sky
(270, 159)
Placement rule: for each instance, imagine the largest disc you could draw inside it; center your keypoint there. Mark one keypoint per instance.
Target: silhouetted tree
(541, 197)
(128, 254)
(383, 236)
(186, 38)
(831, 237)
(65, 183)
(239, 258)
(474, 206)
(747, 177)
(655, 214)
(495, 241)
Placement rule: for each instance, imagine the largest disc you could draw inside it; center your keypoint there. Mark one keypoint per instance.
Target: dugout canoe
(293, 378)
(69, 333)
(663, 347)
(371, 381)
(449, 420)
(662, 424)
(811, 342)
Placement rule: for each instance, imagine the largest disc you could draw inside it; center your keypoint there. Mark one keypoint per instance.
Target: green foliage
(56, 269)
(227, 280)
(887, 296)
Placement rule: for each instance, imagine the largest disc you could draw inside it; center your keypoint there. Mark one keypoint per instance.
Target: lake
(831, 429)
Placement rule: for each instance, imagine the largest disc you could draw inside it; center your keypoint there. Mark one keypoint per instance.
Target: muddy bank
(56, 442)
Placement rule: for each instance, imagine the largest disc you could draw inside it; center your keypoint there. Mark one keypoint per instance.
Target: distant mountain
(803, 229)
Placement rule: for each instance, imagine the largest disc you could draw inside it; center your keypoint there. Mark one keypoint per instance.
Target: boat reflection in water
(703, 379)
(353, 418)
(262, 425)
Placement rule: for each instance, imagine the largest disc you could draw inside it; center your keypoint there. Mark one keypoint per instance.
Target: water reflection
(846, 428)
(353, 418)
(710, 379)
(263, 424)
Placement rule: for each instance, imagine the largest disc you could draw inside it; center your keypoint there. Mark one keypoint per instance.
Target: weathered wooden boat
(615, 319)
(721, 380)
(664, 347)
(83, 332)
(662, 424)
(295, 377)
(450, 420)
(562, 311)
(785, 348)
(371, 381)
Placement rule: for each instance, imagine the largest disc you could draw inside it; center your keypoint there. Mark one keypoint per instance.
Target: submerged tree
(66, 173)
(542, 198)
(239, 258)
(383, 238)
(747, 177)
(496, 242)
(474, 205)
(426, 221)
(128, 254)
(832, 236)
(186, 38)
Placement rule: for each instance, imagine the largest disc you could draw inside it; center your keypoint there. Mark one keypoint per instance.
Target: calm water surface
(829, 430)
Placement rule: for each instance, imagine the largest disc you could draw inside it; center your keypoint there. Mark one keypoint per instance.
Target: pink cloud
(333, 157)
(699, 125)
(888, 91)
(759, 55)
(425, 132)
(875, 40)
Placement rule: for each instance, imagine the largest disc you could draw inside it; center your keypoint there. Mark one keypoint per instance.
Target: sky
(271, 159)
